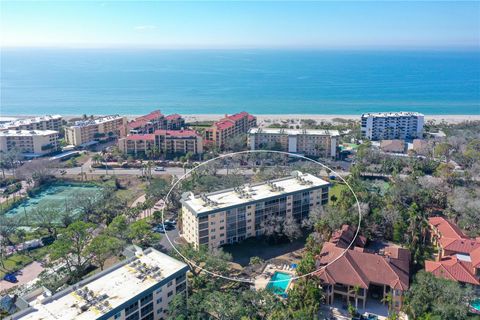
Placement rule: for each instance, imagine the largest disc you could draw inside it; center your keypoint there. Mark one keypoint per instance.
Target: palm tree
(97, 158)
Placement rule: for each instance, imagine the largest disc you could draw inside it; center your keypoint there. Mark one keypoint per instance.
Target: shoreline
(270, 118)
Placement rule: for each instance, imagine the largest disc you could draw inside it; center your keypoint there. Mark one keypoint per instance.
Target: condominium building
(166, 142)
(392, 125)
(154, 121)
(139, 287)
(318, 143)
(229, 127)
(87, 131)
(232, 215)
(146, 124)
(32, 143)
(48, 122)
(175, 122)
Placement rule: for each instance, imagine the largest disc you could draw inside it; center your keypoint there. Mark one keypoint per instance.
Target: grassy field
(337, 189)
(19, 261)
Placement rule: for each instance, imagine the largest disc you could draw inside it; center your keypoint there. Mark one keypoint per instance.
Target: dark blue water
(75, 81)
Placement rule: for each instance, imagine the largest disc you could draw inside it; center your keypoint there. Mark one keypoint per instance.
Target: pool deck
(263, 279)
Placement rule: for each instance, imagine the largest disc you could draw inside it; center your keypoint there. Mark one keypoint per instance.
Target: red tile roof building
(155, 120)
(229, 127)
(341, 270)
(458, 257)
(165, 142)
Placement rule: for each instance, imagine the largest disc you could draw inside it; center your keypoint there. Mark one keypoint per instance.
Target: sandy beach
(326, 117)
(272, 118)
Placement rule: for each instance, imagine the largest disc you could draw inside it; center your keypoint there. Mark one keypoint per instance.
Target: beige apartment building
(232, 215)
(229, 127)
(88, 131)
(48, 122)
(309, 142)
(166, 142)
(139, 287)
(32, 143)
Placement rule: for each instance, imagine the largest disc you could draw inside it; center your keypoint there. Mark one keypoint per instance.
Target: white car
(159, 169)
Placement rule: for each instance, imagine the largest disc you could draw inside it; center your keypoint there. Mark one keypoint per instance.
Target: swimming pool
(475, 305)
(279, 282)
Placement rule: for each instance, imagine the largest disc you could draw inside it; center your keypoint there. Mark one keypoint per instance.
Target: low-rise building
(48, 122)
(86, 131)
(32, 143)
(309, 142)
(392, 125)
(393, 146)
(458, 256)
(351, 272)
(165, 142)
(232, 215)
(421, 147)
(139, 287)
(229, 127)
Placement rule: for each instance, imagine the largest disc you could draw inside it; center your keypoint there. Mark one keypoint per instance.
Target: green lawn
(19, 261)
(336, 190)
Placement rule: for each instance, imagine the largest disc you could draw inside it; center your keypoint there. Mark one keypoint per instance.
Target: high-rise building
(32, 143)
(229, 127)
(232, 215)
(139, 287)
(86, 131)
(392, 125)
(48, 122)
(319, 143)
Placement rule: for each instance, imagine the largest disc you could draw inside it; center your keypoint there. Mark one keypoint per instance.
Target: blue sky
(381, 24)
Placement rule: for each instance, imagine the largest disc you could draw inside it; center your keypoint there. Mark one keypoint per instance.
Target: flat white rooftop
(85, 123)
(26, 133)
(294, 132)
(116, 285)
(18, 122)
(392, 114)
(247, 193)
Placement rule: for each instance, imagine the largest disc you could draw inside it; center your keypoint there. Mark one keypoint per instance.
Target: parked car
(10, 277)
(159, 169)
(168, 226)
(158, 229)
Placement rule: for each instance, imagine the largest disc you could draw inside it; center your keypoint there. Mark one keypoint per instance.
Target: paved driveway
(26, 275)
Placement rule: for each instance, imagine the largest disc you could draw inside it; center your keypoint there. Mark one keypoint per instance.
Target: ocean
(126, 81)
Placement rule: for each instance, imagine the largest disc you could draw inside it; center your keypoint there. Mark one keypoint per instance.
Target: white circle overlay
(246, 280)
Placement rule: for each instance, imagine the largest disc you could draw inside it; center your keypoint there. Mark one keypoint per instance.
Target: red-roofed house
(458, 256)
(229, 127)
(342, 270)
(165, 142)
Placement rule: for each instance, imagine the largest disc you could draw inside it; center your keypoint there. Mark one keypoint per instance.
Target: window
(169, 294)
(159, 300)
(159, 310)
(117, 316)
(146, 299)
(146, 310)
(158, 291)
(133, 316)
(169, 283)
(132, 307)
